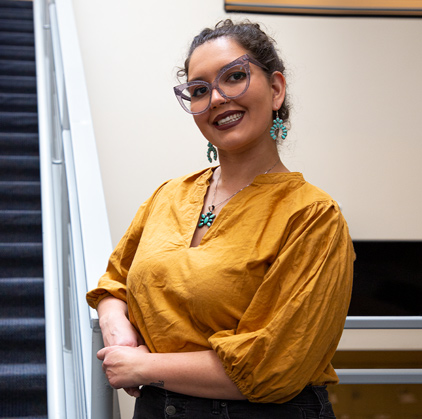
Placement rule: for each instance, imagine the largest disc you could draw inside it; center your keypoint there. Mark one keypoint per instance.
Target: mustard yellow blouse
(267, 289)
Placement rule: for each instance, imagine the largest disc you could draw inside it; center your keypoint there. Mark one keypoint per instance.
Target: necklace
(208, 218)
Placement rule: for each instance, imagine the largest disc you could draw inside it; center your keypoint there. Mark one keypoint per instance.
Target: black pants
(155, 403)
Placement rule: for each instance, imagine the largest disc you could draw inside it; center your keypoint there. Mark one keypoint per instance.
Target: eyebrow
(218, 72)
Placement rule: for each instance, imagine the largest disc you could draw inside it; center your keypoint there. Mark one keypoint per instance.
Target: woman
(228, 293)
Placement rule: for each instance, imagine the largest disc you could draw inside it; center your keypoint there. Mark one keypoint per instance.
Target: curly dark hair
(251, 37)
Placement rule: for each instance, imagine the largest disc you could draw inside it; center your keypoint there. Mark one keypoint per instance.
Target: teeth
(230, 118)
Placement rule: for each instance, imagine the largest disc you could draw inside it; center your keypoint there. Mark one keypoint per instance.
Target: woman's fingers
(133, 391)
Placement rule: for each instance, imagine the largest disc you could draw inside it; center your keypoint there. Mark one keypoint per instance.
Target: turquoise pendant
(206, 219)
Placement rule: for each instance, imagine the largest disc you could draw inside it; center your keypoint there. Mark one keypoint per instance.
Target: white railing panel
(76, 234)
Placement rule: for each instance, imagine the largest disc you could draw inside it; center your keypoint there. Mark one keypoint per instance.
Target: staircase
(22, 325)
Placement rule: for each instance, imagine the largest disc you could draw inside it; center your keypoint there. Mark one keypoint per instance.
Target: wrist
(111, 307)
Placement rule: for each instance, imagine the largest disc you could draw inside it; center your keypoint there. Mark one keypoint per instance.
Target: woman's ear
(278, 84)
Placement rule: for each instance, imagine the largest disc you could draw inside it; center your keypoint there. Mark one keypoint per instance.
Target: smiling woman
(227, 296)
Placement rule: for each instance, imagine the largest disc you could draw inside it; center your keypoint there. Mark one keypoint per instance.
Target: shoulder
(295, 194)
(198, 177)
(185, 184)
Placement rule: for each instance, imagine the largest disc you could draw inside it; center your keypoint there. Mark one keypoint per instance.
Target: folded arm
(199, 374)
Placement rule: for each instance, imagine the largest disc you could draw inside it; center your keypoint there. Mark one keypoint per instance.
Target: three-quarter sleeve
(113, 282)
(288, 335)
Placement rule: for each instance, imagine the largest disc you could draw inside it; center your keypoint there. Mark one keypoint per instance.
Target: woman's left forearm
(199, 374)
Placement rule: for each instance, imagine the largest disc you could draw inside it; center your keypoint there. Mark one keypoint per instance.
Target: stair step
(21, 260)
(23, 13)
(20, 196)
(17, 68)
(20, 251)
(28, 417)
(10, 52)
(22, 287)
(18, 84)
(19, 168)
(13, 144)
(22, 329)
(18, 102)
(23, 340)
(13, 4)
(14, 24)
(20, 226)
(24, 405)
(17, 38)
(19, 353)
(19, 122)
(23, 377)
(21, 297)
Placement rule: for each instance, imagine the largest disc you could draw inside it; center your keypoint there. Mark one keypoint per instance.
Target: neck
(240, 170)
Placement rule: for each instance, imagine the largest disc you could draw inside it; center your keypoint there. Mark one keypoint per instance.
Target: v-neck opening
(207, 184)
(261, 179)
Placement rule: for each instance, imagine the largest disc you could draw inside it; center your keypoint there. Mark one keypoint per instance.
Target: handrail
(380, 375)
(383, 322)
(76, 235)
(53, 321)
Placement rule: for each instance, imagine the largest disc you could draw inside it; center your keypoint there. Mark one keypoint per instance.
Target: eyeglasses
(231, 82)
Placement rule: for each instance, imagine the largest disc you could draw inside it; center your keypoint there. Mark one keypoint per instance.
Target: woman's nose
(217, 99)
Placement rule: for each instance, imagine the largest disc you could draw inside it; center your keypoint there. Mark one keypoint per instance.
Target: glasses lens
(234, 81)
(196, 97)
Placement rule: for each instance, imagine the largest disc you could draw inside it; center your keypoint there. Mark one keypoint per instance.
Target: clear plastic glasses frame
(244, 61)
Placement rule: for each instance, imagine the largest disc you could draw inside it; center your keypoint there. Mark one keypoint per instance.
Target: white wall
(356, 90)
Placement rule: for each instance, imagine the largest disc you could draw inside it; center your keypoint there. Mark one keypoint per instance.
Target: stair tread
(21, 286)
(22, 328)
(17, 159)
(23, 53)
(15, 24)
(18, 84)
(20, 195)
(6, 114)
(13, 215)
(17, 95)
(14, 247)
(23, 377)
(17, 38)
(13, 4)
(17, 68)
(22, 321)
(14, 13)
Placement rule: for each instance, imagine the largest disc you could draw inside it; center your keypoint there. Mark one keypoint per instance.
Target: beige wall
(356, 90)
(355, 86)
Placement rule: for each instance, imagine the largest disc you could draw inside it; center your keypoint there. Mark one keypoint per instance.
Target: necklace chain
(208, 218)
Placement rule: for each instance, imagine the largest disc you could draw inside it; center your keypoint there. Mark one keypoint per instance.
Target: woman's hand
(121, 366)
(117, 330)
(115, 326)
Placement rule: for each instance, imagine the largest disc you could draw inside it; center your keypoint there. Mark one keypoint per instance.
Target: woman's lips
(228, 120)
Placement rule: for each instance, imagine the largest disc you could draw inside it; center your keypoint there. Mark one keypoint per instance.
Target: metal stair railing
(76, 235)
(381, 375)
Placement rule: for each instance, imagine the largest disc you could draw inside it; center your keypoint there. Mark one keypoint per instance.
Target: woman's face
(243, 123)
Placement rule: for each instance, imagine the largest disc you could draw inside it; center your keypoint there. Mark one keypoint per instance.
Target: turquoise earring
(211, 149)
(275, 129)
